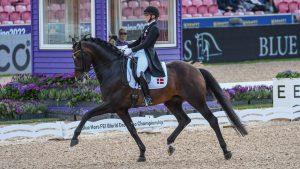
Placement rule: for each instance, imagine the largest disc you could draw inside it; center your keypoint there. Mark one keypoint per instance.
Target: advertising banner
(241, 43)
(15, 54)
(243, 21)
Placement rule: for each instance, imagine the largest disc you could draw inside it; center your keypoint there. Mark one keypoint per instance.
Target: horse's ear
(74, 41)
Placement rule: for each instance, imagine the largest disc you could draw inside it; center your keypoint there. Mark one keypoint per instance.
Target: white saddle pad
(155, 83)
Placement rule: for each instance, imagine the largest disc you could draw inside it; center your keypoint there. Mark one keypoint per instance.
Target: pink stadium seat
(28, 7)
(51, 17)
(60, 15)
(26, 2)
(163, 10)
(0, 22)
(9, 8)
(21, 8)
(197, 3)
(4, 16)
(288, 1)
(138, 12)
(55, 7)
(19, 22)
(207, 15)
(186, 15)
(124, 5)
(184, 10)
(276, 2)
(127, 12)
(283, 7)
(133, 4)
(192, 9)
(154, 3)
(164, 17)
(208, 2)
(144, 4)
(14, 16)
(5, 2)
(186, 3)
(1, 9)
(26, 16)
(87, 5)
(84, 15)
(293, 6)
(197, 15)
(202, 9)
(164, 3)
(213, 8)
(28, 21)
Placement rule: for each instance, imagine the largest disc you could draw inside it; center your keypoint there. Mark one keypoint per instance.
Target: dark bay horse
(185, 83)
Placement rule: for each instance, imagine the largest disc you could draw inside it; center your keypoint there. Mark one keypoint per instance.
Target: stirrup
(148, 101)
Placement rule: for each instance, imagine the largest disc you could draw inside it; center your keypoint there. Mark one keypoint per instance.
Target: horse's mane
(104, 44)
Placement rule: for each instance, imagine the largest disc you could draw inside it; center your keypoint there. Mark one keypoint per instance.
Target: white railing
(65, 130)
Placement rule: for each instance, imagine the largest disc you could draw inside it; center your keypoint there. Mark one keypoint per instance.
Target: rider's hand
(127, 51)
(122, 47)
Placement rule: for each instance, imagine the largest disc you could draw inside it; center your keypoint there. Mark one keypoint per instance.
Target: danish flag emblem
(160, 80)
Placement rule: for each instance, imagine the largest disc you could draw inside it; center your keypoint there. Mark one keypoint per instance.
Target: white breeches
(142, 63)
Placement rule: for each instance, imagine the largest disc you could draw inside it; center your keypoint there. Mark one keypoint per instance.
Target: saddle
(133, 66)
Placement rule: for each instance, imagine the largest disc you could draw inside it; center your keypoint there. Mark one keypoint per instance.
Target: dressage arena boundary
(62, 130)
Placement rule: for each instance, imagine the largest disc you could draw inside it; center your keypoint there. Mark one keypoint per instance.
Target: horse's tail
(212, 84)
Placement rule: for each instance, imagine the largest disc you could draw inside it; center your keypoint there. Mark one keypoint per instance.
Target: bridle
(83, 67)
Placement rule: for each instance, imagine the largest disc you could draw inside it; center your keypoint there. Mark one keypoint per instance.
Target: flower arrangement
(288, 74)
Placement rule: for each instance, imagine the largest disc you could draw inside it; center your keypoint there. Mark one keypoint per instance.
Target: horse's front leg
(124, 115)
(102, 109)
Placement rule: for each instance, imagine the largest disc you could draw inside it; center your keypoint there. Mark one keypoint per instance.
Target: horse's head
(82, 60)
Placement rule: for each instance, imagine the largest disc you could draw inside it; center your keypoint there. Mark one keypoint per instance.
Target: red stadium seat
(197, 3)
(184, 10)
(14, 16)
(213, 8)
(154, 3)
(21, 8)
(293, 6)
(138, 11)
(28, 7)
(127, 12)
(163, 11)
(1, 9)
(283, 7)
(26, 16)
(208, 2)
(9, 8)
(124, 5)
(7, 23)
(4, 16)
(192, 9)
(186, 3)
(259, 12)
(5, 2)
(276, 2)
(133, 4)
(202, 9)
(164, 3)
(26, 2)
(144, 4)
(207, 15)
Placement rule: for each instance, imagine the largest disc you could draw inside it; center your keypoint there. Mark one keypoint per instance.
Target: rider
(144, 48)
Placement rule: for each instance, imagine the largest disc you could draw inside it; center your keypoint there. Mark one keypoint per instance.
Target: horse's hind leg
(175, 106)
(213, 122)
(124, 115)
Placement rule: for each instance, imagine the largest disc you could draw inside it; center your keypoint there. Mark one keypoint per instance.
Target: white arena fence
(62, 130)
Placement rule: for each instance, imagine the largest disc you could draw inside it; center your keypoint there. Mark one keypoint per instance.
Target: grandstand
(15, 12)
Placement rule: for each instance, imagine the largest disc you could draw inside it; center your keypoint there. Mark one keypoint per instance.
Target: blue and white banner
(245, 21)
(15, 54)
(15, 30)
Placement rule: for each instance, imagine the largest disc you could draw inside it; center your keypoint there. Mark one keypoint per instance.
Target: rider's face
(147, 17)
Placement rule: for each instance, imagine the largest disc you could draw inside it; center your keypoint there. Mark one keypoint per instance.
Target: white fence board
(63, 130)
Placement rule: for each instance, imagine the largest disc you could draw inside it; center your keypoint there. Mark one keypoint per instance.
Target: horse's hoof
(171, 150)
(74, 142)
(141, 159)
(228, 155)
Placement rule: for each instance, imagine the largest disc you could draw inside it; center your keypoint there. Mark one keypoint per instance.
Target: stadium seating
(15, 12)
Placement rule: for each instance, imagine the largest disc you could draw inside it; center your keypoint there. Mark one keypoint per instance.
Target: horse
(185, 83)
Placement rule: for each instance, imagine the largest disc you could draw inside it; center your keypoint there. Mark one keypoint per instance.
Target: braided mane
(104, 44)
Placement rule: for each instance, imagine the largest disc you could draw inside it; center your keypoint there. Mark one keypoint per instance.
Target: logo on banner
(206, 46)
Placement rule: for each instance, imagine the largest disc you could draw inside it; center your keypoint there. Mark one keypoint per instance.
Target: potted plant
(286, 89)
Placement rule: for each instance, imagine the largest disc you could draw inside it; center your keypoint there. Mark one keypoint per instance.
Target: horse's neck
(104, 73)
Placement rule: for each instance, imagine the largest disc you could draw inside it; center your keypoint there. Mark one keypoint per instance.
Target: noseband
(83, 67)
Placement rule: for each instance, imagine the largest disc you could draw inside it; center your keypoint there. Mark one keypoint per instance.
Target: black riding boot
(145, 89)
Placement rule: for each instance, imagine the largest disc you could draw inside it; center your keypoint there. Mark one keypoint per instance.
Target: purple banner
(15, 30)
